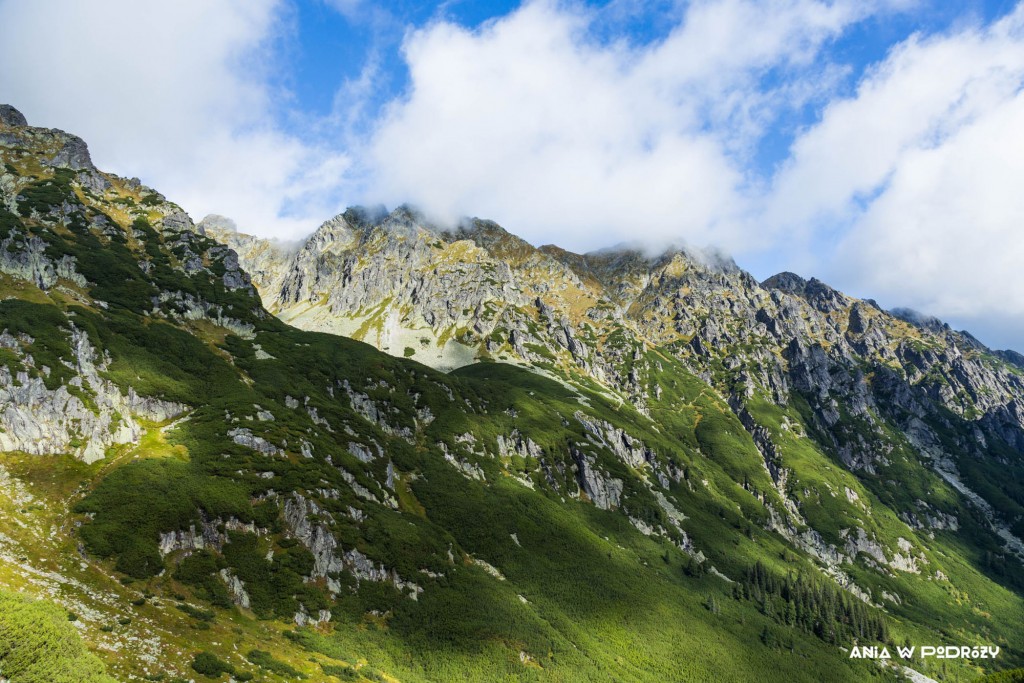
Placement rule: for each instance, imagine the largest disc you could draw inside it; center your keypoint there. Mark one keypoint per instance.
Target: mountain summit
(631, 467)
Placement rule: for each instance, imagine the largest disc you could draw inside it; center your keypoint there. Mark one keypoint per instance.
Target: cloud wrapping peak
(903, 191)
(531, 120)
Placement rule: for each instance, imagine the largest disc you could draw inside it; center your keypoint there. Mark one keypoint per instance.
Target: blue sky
(332, 43)
(875, 144)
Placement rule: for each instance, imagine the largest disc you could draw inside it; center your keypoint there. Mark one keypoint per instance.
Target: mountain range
(403, 451)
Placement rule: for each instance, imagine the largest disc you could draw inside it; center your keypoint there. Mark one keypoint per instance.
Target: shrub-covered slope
(213, 492)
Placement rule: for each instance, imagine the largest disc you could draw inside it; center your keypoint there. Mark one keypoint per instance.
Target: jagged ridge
(489, 522)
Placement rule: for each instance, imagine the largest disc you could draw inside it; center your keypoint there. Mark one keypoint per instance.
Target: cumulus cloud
(532, 121)
(175, 93)
(922, 170)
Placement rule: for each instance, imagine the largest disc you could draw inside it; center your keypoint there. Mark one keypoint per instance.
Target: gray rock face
(422, 285)
(929, 518)
(363, 453)
(74, 155)
(43, 421)
(517, 444)
(26, 259)
(468, 469)
(186, 306)
(9, 116)
(93, 181)
(304, 618)
(604, 492)
(327, 555)
(183, 540)
(316, 537)
(859, 542)
(234, 277)
(382, 415)
(236, 589)
(178, 221)
(211, 535)
(631, 451)
(245, 437)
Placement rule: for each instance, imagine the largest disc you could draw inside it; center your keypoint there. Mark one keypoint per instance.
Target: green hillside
(295, 505)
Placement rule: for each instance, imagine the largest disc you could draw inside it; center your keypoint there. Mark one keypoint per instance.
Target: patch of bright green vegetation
(136, 502)
(1012, 676)
(48, 193)
(266, 660)
(196, 613)
(39, 645)
(212, 666)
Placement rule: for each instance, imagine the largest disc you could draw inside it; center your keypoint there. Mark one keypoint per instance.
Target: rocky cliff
(629, 464)
(871, 382)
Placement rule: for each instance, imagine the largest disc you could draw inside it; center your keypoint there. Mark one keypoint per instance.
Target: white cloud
(348, 8)
(922, 167)
(529, 121)
(175, 93)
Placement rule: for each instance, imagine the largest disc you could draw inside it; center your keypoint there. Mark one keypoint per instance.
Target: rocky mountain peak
(219, 224)
(58, 148)
(493, 238)
(814, 291)
(728, 434)
(788, 282)
(405, 221)
(9, 116)
(918, 319)
(616, 263)
(364, 217)
(709, 259)
(363, 223)
(74, 154)
(334, 235)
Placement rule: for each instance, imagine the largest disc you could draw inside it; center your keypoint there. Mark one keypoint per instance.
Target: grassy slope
(584, 595)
